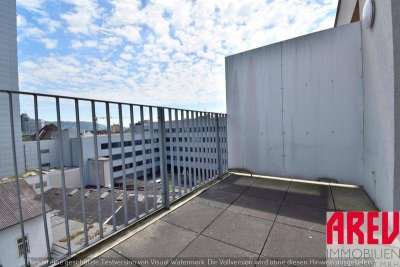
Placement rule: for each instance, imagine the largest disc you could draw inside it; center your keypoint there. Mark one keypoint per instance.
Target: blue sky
(161, 52)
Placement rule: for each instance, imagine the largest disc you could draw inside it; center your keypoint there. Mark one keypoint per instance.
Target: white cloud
(166, 52)
(50, 24)
(49, 43)
(82, 19)
(130, 33)
(21, 21)
(32, 5)
(126, 56)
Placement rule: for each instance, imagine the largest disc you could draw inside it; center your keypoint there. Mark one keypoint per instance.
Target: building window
(21, 242)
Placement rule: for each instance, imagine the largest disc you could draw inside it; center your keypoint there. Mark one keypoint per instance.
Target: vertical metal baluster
(146, 200)
(121, 137)
(111, 166)
(206, 146)
(206, 154)
(21, 219)
(201, 144)
(184, 141)
(215, 145)
(195, 149)
(199, 150)
(222, 134)
(178, 145)
(225, 142)
(153, 159)
(82, 177)
(189, 135)
(163, 157)
(209, 150)
(218, 126)
(214, 148)
(46, 232)
(171, 150)
(192, 152)
(64, 193)
(96, 164)
(222, 137)
(134, 162)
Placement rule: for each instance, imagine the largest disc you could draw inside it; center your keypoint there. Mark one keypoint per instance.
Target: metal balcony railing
(155, 155)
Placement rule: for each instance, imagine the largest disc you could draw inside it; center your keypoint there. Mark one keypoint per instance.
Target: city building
(28, 125)
(11, 241)
(9, 81)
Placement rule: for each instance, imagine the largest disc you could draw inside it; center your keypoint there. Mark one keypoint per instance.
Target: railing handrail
(101, 100)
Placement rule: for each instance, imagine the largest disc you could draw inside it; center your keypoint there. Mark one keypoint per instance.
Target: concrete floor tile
(240, 230)
(254, 206)
(351, 199)
(314, 195)
(215, 198)
(237, 185)
(293, 242)
(160, 239)
(303, 216)
(268, 188)
(193, 216)
(205, 247)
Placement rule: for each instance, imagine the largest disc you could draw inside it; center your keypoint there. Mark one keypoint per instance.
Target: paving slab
(110, 258)
(205, 247)
(255, 206)
(351, 199)
(193, 216)
(236, 184)
(216, 198)
(295, 243)
(240, 230)
(308, 194)
(268, 188)
(303, 216)
(161, 239)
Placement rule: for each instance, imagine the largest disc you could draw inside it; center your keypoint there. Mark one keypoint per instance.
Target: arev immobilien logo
(363, 238)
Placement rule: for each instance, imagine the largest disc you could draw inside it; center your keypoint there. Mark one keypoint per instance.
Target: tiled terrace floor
(245, 218)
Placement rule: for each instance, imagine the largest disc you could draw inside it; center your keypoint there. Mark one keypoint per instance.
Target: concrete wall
(295, 108)
(396, 64)
(34, 229)
(72, 178)
(51, 157)
(9, 81)
(346, 9)
(381, 172)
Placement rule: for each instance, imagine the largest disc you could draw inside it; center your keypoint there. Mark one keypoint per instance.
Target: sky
(155, 52)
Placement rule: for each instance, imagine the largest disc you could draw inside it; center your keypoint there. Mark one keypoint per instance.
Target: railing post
(163, 158)
(218, 145)
(13, 144)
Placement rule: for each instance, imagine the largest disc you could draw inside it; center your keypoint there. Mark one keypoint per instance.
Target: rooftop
(240, 217)
(30, 203)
